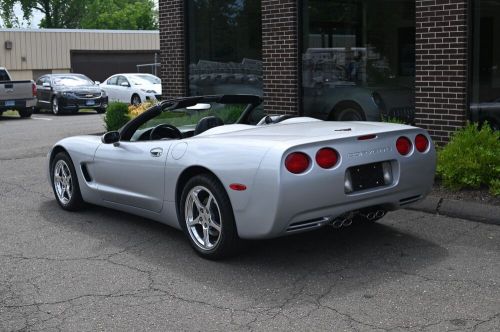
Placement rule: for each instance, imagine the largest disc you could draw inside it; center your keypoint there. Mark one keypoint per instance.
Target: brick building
(432, 62)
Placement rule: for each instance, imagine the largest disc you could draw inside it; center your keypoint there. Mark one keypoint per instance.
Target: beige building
(28, 54)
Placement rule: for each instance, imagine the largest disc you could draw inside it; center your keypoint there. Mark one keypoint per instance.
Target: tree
(120, 14)
(90, 14)
(57, 13)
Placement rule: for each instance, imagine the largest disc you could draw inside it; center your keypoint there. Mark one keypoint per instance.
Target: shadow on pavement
(367, 253)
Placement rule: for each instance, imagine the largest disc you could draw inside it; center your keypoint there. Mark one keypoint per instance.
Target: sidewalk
(485, 213)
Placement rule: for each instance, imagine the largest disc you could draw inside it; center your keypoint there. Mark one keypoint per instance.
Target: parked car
(132, 88)
(16, 95)
(62, 93)
(221, 170)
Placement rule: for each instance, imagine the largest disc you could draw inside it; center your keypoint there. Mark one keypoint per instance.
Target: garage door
(100, 65)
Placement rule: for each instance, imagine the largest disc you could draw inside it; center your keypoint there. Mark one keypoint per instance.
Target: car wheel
(36, 110)
(136, 100)
(207, 218)
(55, 106)
(25, 113)
(348, 113)
(101, 110)
(65, 182)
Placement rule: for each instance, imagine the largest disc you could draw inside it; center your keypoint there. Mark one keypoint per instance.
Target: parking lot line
(36, 118)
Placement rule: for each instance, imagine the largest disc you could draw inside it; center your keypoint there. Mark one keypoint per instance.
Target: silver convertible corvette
(222, 170)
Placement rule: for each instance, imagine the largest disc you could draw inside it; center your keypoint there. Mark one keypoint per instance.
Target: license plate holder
(367, 176)
(10, 103)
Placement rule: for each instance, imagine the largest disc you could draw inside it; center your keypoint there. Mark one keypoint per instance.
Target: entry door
(132, 173)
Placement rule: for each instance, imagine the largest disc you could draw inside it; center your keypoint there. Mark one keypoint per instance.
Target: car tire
(56, 110)
(348, 112)
(36, 110)
(64, 182)
(101, 110)
(207, 218)
(135, 100)
(25, 113)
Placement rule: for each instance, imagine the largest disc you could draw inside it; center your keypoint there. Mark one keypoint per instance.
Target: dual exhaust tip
(347, 219)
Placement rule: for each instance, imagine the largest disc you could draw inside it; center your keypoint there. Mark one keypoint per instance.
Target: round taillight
(403, 145)
(421, 143)
(297, 162)
(327, 158)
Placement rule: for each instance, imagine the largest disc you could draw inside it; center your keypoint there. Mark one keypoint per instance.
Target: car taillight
(421, 143)
(33, 89)
(403, 145)
(327, 158)
(297, 162)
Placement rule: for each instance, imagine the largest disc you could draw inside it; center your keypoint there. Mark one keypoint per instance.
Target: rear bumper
(281, 200)
(17, 104)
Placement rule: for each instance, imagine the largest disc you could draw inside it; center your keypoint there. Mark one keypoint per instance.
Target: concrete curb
(485, 213)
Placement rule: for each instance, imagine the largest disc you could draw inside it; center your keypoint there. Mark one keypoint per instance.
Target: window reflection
(225, 47)
(358, 59)
(485, 96)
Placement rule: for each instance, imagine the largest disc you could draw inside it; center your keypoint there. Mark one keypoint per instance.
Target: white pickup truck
(16, 95)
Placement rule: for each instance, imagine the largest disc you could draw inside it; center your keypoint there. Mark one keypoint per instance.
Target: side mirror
(111, 137)
(125, 84)
(46, 85)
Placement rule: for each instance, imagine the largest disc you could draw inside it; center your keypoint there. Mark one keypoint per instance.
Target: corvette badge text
(369, 152)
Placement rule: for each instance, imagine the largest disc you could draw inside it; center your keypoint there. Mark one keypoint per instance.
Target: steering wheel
(164, 130)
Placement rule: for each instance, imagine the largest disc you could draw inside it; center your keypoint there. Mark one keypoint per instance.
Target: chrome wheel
(55, 106)
(63, 183)
(203, 218)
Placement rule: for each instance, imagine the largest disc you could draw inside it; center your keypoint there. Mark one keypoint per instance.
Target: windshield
(136, 80)
(72, 81)
(187, 118)
(150, 78)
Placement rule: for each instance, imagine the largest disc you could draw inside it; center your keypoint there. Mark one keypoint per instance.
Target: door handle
(156, 152)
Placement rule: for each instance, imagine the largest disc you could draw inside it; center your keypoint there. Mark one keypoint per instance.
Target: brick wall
(173, 69)
(441, 66)
(280, 54)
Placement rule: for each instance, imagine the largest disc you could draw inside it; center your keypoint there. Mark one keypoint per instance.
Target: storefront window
(358, 59)
(225, 47)
(485, 87)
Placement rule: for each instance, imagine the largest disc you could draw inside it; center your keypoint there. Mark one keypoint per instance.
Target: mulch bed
(473, 195)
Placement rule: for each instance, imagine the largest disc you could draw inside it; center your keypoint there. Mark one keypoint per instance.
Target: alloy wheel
(63, 182)
(55, 106)
(203, 218)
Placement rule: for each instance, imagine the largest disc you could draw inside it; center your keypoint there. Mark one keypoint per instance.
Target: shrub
(116, 116)
(471, 159)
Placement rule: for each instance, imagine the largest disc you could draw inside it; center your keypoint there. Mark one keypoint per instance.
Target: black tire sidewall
(341, 113)
(228, 244)
(135, 96)
(25, 113)
(76, 201)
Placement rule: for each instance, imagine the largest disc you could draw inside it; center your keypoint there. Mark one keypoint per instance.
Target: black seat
(206, 123)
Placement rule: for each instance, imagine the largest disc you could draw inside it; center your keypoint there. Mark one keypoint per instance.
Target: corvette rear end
(352, 171)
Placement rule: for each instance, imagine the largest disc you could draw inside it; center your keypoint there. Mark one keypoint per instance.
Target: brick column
(441, 66)
(172, 48)
(280, 55)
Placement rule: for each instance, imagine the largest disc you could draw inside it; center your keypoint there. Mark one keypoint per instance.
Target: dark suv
(63, 93)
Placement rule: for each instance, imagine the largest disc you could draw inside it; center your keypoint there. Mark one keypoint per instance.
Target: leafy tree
(120, 14)
(90, 14)
(57, 13)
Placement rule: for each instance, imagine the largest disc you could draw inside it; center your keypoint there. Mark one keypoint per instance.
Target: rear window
(4, 76)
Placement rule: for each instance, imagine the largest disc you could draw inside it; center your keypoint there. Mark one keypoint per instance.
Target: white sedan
(132, 88)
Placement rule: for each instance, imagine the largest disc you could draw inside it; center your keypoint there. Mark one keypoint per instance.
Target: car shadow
(368, 252)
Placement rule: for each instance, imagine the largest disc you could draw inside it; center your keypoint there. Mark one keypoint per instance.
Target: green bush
(471, 159)
(116, 116)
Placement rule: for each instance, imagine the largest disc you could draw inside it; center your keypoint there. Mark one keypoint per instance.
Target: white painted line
(46, 119)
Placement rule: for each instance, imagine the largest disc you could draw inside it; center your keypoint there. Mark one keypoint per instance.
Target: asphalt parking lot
(104, 270)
